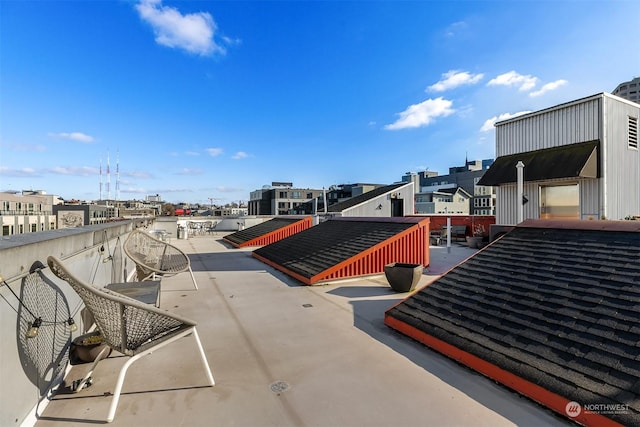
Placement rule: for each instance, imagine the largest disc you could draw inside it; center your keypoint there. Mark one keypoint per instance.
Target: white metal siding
(507, 208)
(590, 200)
(569, 124)
(368, 208)
(507, 203)
(622, 164)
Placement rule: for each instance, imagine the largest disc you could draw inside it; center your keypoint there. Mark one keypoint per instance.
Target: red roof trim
(276, 235)
(551, 400)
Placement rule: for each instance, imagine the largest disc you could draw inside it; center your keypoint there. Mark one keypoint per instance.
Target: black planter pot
(403, 277)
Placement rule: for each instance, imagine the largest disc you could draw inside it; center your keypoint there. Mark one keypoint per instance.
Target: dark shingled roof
(565, 161)
(554, 305)
(243, 236)
(354, 201)
(317, 249)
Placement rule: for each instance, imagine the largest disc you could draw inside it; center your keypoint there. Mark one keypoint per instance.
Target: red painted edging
(276, 235)
(387, 251)
(551, 400)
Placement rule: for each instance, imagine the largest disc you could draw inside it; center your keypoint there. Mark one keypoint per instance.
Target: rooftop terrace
(287, 354)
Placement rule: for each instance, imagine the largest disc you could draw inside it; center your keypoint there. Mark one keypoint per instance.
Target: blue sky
(195, 100)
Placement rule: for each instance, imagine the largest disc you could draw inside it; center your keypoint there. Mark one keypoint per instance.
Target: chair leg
(123, 371)
(193, 278)
(79, 385)
(116, 392)
(204, 358)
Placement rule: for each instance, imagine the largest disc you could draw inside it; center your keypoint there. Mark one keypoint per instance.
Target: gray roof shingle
(559, 307)
(248, 234)
(312, 251)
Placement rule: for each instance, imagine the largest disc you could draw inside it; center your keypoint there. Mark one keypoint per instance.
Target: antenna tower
(100, 177)
(118, 175)
(108, 178)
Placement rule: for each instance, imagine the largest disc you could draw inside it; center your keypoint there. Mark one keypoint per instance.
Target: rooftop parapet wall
(32, 366)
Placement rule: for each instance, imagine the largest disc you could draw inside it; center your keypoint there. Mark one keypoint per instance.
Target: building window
(283, 195)
(34, 228)
(295, 195)
(633, 132)
(6, 231)
(560, 202)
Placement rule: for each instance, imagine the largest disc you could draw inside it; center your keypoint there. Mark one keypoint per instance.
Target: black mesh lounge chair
(130, 327)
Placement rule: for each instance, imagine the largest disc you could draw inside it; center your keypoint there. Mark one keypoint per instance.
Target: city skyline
(200, 100)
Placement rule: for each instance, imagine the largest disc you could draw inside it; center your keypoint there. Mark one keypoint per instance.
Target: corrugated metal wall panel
(590, 201)
(507, 203)
(600, 117)
(507, 210)
(568, 124)
(622, 164)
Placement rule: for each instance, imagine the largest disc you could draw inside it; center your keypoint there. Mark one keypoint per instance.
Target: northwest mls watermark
(573, 409)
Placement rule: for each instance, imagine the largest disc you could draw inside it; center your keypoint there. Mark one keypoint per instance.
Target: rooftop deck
(287, 354)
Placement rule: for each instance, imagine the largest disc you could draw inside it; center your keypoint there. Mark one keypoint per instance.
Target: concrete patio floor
(284, 354)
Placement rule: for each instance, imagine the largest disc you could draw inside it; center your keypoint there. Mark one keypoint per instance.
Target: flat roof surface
(286, 354)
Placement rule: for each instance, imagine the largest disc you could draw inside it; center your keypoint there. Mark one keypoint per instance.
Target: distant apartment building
(113, 207)
(280, 198)
(453, 200)
(333, 195)
(232, 211)
(79, 215)
(436, 192)
(341, 192)
(629, 90)
(28, 211)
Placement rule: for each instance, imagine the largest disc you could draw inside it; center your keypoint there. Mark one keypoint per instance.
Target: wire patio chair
(130, 327)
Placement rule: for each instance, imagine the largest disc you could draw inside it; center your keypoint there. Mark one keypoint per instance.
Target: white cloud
(489, 123)
(74, 170)
(213, 152)
(188, 171)
(422, 114)
(193, 32)
(138, 174)
(192, 153)
(549, 87)
(454, 78)
(512, 78)
(133, 190)
(25, 147)
(240, 155)
(223, 189)
(18, 173)
(455, 28)
(74, 136)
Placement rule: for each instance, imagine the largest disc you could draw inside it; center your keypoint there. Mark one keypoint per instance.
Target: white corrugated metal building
(581, 160)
